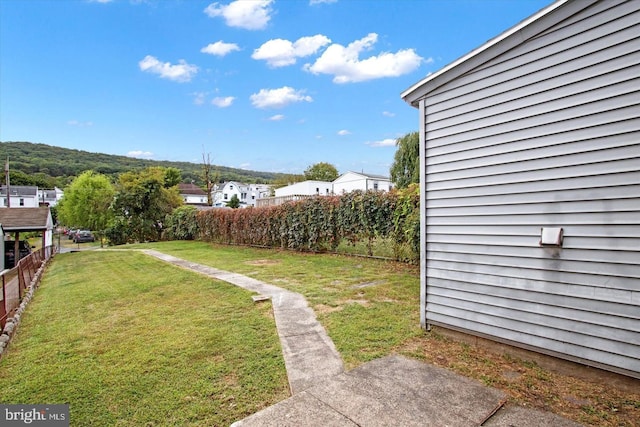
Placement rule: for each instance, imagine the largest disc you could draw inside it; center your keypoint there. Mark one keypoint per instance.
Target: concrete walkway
(309, 354)
(391, 391)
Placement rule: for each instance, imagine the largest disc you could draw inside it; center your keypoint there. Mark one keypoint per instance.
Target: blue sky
(267, 85)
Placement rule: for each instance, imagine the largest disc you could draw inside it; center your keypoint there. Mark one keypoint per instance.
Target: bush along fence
(321, 223)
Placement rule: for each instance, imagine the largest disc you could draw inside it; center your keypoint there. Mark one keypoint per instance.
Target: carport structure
(14, 281)
(17, 220)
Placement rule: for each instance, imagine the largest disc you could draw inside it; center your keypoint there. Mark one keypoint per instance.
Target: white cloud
(388, 114)
(312, 2)
(389, 142)
(344, 132)
(181, 72)
(276, 118)
(245, 166)
(345, 65)
(100, 1)
(223, 102)
(79, 124)
(250, 15)
(199, 98)
(280, 52)
(278, 98)
(219, 48)
(140, 154)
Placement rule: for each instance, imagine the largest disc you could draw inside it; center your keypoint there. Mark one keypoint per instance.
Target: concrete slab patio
(397, 391)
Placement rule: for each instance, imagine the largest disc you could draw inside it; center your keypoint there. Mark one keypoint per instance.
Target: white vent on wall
(551, 236)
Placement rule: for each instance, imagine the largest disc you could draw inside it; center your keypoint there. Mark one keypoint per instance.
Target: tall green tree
(142, 202)
(86, 203)
(234, 202)
(321, 172)
(172, 177)
(405, 169)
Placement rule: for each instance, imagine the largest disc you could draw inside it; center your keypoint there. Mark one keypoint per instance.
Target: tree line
(47, 166)
(139, 205)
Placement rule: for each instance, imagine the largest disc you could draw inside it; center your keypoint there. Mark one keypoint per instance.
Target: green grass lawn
(126, 339)
(369, 307)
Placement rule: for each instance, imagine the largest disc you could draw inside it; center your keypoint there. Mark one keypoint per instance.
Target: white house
(21, 196)
(192, 194)
(247, 194)
(256, 192)
(49, 197)
(530, 186)
(306, 188)
(352, 181)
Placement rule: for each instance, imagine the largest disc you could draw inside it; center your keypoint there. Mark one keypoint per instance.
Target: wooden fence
(15, 281)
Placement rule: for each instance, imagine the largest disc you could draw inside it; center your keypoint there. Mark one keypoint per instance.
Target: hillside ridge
(50, 166)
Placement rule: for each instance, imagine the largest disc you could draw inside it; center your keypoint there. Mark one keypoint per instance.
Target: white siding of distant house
(22, 196)
(248, 194)
(351, 181)
(541, 130)
(256, 192)
(194, 199)
(306, 188)
(228, 190)
(27, 201)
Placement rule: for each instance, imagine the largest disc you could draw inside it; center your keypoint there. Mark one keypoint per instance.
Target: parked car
(71, 232)
(9, 252)
(83, 236)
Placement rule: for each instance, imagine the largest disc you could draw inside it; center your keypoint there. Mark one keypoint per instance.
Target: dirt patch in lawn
(323, 308)
(260, 262)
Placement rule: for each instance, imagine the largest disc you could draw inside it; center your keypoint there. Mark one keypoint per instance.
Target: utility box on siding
(530, 186)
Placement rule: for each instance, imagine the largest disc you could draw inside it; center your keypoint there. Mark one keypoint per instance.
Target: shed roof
(544, 18)
(25, 219)
(363, 175)
(190, 188)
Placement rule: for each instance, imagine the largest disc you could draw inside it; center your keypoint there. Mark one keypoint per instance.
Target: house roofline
(413, 94)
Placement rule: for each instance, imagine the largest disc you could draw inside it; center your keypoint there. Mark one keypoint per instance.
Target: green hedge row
(322, 223)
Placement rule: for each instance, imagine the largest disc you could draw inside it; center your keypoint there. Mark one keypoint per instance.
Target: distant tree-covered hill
(47, 166)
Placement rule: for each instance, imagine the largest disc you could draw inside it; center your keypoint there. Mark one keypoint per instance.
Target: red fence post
(3, 308)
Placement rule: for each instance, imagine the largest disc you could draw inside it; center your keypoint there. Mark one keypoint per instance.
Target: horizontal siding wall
(545, 135)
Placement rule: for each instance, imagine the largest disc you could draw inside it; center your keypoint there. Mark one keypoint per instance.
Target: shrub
(181, 224)
(321, 223)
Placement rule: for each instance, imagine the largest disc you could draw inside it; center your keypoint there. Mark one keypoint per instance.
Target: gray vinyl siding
(546, 134)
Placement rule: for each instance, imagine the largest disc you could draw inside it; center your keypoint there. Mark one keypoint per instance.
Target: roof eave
(413, 94)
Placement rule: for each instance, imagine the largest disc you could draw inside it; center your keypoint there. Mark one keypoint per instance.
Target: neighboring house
(306, 188)
(297, 191)
(248, 194)
(22, 220)
(530, 179)
(192, 194)
(49, 197)
(256, 192)
(352, 181)
(345, 183)
(21, 196)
